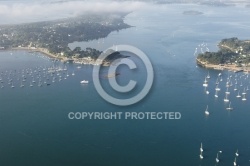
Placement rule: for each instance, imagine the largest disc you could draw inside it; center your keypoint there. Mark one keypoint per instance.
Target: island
(52, 37)
(192, 12)
(233, 54)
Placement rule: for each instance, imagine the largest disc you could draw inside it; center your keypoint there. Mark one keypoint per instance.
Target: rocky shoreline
(230, 67)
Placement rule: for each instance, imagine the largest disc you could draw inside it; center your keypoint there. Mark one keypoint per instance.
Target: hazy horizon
(13, 12)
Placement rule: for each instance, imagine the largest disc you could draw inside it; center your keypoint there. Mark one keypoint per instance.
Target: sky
(20, 11)
(28, 11)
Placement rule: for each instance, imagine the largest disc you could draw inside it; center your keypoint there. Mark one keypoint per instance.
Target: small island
(52, 37)
(192, 12)
(233, 54)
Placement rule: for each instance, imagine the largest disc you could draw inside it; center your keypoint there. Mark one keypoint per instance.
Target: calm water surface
(34, 124)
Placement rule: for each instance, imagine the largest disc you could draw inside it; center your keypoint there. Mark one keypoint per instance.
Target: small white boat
(235, 163)
(229, 107)
(21, 85)
(238, 96)
(235, 88)
(84, 82)
(205, 85)
(205, 81)
(217, 157)
(12, 86)
(237, 153)
(201, 156)
(201, 148)
(226, 99)
(244, 91)
(227, 92)
(206, 111)
(244, 98)
(208, 76)
(216, 94)
(217, 88)
(33, 81)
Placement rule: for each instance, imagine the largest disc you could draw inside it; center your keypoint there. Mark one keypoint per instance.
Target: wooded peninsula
(53, 37)
(233, 54)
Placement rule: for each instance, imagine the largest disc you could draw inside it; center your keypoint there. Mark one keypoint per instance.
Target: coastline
(85, 61)
(41, 50)
(230, 67)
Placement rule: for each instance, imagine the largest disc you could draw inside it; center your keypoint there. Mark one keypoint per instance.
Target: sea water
(34, 124)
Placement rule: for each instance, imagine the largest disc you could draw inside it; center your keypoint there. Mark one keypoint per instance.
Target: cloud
(28, 11)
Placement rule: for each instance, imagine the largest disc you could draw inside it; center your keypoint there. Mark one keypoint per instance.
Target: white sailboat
(217, 81)
(238, 96)
(226, 99)
(237, 153)
(244, 92)
(12, 86)
(205, 84)
(201, 148)
(227, 92)
(235, 88)
(206, 111)
(217, 88)
(244, 98)
(216, 94)
(39, 84)
(21, 85)
(84, 82)
(217, 158)
(201, 156)
(231, 84)
(229, 107)
(208, 76)
(235, 161)
(206, 91)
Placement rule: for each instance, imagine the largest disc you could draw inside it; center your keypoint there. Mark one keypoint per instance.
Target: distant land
(192, 12)
(233, 54)
(53, 37)
(200, 2)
